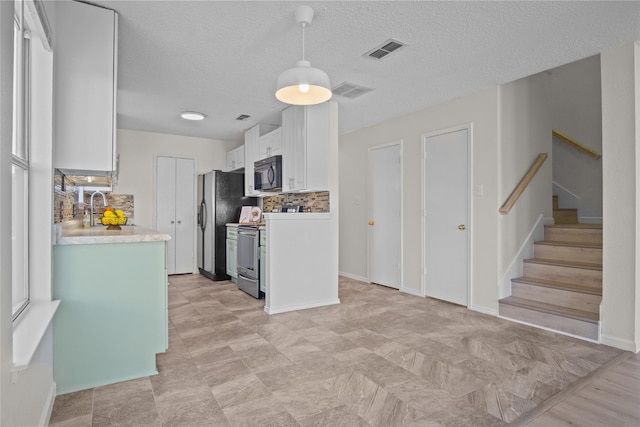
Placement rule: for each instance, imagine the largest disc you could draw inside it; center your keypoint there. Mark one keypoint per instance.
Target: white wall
(479, 110)
(620, 306)
(137, 151)
(510, 127)
(577, 112)
(525, 132)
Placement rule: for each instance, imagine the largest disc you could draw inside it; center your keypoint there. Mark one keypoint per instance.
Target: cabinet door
(232, 261)
(231, 160)
(251, 154)
(271, 144)
(294, 148)
(85, 66)
(318, 141)
(239, 157)
(263, 268)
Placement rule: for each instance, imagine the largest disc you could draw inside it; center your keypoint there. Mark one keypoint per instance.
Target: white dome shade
(303, 85)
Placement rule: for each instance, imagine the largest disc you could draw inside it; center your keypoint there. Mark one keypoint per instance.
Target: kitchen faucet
(104, 199)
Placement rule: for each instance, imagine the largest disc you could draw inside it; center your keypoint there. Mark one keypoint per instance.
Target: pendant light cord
(303, 25)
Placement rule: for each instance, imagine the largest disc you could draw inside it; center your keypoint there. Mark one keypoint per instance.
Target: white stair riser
(552, 321)
(578, 235)
(558, 273)
(568, 253)
(562, 297)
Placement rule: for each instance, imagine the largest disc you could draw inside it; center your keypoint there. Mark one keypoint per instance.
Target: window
(20, 163)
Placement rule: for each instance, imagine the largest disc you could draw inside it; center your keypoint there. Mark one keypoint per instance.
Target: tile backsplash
(310, 202)
(67, 207)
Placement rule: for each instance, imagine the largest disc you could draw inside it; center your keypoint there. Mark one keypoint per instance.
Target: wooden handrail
(522, 185)
(575, 144)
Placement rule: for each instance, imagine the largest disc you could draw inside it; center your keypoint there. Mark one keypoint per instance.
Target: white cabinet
(271, 144)
(263, 260)
(232, 251)
(235, 158)
(306, 134)
(252, 154)
(175, 211)
(84, 75)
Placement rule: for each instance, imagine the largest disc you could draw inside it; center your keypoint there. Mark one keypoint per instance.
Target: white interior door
(185, 215)
(175, 211)
(166, 205)
(446, 202)
(385, 215)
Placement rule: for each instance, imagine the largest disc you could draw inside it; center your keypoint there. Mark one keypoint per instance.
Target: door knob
(371, 222)
(462, 227)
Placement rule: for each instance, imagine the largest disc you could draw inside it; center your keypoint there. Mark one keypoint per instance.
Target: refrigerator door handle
(204, 214)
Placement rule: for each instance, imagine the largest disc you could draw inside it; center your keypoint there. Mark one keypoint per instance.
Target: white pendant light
(303, 84)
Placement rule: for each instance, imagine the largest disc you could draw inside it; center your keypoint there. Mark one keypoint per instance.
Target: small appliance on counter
(292, 208)
(250, 215)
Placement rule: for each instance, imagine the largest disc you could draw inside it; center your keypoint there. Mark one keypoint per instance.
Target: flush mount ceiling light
(303, 84)
(192, 115)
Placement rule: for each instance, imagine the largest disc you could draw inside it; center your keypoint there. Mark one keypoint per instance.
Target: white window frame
(20, 164)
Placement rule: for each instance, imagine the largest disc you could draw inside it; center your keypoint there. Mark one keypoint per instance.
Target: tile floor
(380, 358)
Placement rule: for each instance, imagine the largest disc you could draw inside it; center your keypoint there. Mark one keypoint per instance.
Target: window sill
(29, 331)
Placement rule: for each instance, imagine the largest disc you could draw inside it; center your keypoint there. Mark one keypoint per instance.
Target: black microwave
(268, 174)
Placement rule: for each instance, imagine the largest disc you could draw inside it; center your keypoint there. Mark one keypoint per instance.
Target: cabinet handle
(371, 222)
(172, 222)
(179, 222)
(462, 227)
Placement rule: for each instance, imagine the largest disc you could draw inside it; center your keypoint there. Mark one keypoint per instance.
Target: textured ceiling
(222, 58)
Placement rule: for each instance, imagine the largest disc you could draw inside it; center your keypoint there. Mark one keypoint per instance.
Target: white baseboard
(567, 198)
(353, 276)
(285, 309)
(490, 311)
(410, 291)
(621, 343)
(45, 416)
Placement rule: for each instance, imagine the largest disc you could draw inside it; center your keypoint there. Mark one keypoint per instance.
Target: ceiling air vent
(384, 49)
(242, 117)
(350, 90)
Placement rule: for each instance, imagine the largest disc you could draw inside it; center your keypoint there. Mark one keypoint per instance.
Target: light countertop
(100, 234)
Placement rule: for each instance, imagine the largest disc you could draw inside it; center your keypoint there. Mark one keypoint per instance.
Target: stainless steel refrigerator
(221, 196)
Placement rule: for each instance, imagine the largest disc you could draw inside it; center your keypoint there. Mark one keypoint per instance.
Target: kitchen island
(112, 319)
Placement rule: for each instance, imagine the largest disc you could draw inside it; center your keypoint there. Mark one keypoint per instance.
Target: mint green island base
(113, 317)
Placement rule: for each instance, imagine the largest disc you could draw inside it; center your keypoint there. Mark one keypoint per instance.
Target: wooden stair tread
(558, 285)
(572, 244)
(551, 309)
(571, 264)
(565, 209)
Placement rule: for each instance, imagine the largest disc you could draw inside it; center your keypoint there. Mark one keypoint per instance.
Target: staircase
(561, 288)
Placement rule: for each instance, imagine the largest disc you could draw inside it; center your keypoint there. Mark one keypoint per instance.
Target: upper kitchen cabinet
(252, 154)
(235, 159)
(84, 72)
(306, 133)
(271, 144)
